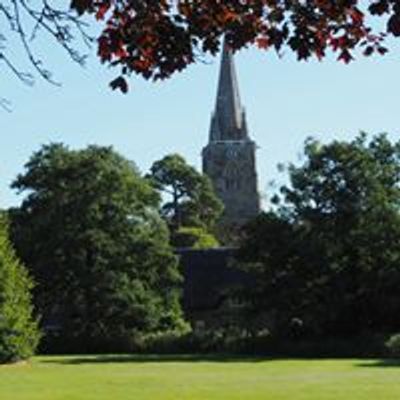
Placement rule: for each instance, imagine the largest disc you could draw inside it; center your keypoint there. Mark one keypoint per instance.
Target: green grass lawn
(192, 378)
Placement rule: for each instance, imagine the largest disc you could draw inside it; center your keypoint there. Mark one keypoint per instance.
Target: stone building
(229, 158)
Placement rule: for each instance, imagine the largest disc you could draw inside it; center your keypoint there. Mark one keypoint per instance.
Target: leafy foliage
(90, 233)
(393, 345)
(192, 199)
(195, 238)
(19, 335)
(328, 258)
(157, 38)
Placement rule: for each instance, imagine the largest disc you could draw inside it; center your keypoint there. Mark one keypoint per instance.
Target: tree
(19, 335)
(22, 21)
(192, 200)
(329, 255)
(89, 231)
(348, 195)
(155, 39)
(272, 248)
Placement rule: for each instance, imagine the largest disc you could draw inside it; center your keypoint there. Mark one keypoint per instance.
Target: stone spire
(228, 120)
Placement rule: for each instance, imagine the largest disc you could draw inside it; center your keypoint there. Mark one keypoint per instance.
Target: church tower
(229, 157)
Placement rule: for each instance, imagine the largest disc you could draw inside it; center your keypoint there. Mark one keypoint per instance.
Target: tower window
(232, 177)
(232, 183)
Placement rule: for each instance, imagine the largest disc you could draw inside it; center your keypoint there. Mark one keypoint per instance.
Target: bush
(393, 345)
(196, 238)
(19, 335)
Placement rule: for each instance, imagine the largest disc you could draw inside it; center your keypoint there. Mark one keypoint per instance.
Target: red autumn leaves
(157, 38)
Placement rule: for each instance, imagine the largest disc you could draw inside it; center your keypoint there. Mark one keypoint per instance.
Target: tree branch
(27, 22)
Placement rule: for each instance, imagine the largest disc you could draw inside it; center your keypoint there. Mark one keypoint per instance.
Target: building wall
(208, 276)
(231, 166)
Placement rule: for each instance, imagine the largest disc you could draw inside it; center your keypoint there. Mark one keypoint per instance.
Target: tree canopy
(19, 335)
(328, 257)
(155, 39)
(89, 231)
(190, 199)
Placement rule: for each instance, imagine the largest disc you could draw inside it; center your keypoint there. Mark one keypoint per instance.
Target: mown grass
(198, 378)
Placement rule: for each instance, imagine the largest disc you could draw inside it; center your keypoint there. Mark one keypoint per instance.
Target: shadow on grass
(382, 363)
(193, 358)
(153, 358)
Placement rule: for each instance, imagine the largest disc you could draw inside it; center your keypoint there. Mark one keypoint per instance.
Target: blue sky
(286, 101)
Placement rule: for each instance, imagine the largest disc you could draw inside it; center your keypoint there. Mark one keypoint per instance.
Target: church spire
(228, 121)
(229, 159)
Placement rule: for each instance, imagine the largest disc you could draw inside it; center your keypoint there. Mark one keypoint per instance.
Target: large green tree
(190, 199)
(89, 231)
(329, 255)
(19, 335)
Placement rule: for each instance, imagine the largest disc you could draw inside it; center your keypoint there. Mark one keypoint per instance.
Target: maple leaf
(262, 42)
(357, 16)
(101, 12)
(81, 6)
(369, 50)
(120, 51)
(382, 50)
(104, 50)
(379, 8)
(119, 83)
(345, 56)
(393, 25)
